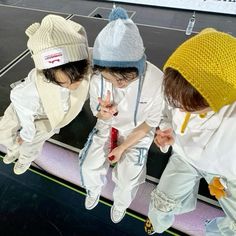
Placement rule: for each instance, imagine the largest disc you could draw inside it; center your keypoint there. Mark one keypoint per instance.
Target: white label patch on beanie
(54, 57)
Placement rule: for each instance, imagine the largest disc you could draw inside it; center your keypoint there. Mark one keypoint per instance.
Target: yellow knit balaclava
(208, 62)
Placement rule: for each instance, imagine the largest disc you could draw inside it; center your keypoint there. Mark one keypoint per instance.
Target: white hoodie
(208, 143)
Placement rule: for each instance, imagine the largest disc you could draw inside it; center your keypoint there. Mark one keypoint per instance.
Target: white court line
(107, 8)
(146, 25)
(34, 9)
(15, 60)
(152, 26)
(93, 11)
(132, 15)
(69, 16)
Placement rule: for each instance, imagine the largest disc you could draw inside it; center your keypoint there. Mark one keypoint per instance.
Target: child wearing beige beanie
(200, 87)
(53, 93)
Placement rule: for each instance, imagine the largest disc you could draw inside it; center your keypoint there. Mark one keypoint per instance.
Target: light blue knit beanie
(119, 44)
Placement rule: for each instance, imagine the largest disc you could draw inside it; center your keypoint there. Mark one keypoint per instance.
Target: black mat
(35, 204)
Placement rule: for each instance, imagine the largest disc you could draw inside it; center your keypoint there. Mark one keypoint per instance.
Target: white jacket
(208, 143)
(136, 103)
(34, 98)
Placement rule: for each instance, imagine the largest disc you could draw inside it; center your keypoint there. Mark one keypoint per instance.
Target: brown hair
(122, 73)
(76, 71)
(180, 93)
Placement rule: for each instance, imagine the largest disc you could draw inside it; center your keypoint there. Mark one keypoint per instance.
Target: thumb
(111, 154)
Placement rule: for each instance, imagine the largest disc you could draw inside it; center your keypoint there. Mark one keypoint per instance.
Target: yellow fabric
(202, 115)
(208, 62)
(216, 188)
(184, 125)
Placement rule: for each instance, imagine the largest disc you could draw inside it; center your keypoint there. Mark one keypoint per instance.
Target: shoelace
(21, 165)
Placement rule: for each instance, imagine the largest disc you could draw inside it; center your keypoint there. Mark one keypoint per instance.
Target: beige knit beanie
(56, 41)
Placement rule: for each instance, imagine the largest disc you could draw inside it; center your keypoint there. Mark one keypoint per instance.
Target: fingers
(107, 101)
(164, 132)
(108, 98)
(113, 109)
(164, 138)
(112, 158)
(19, 140)
(115, 155)
(106, 106)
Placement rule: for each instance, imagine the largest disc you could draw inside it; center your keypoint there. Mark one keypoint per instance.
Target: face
(65, 82)
(116, 80)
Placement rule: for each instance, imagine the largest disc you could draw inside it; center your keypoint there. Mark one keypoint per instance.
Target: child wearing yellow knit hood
(200, 87)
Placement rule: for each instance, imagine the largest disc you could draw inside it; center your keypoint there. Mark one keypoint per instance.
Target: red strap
(113, 141)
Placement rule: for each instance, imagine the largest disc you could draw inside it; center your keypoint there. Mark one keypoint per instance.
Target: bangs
(179, 93)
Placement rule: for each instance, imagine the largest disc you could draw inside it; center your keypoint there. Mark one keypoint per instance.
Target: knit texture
(118, 13)
(56, 41)
(119, 44)
(208, 62)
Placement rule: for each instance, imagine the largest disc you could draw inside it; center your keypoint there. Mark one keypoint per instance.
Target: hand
(19, 140)
(164, 137)
(115, 155)
(107, 110)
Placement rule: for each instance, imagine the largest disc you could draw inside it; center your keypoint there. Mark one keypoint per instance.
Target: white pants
(127, 174)
(177, 192)
(9, 128)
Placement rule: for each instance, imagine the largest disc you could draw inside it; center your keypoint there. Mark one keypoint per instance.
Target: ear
(32, 29)
(80, 29)
(77, 27)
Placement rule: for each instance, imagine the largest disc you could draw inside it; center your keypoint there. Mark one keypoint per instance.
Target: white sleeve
(154, 115)
(25, 100)
(166, 118)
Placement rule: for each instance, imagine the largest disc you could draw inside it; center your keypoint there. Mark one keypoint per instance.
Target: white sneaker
(117, 214)
(91, 201)
(20, 168)
(9, 158)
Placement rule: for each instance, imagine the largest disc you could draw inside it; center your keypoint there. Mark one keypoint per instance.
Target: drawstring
(140, 85)
(101, 92)
(184, 125)
(202, 115)
(186, 120)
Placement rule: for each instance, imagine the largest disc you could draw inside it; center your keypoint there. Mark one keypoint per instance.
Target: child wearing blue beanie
(125, 96)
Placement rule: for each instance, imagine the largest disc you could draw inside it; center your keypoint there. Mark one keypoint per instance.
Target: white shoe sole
(10, 161)
(112, 219)
(19, 171)
(93, 205)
